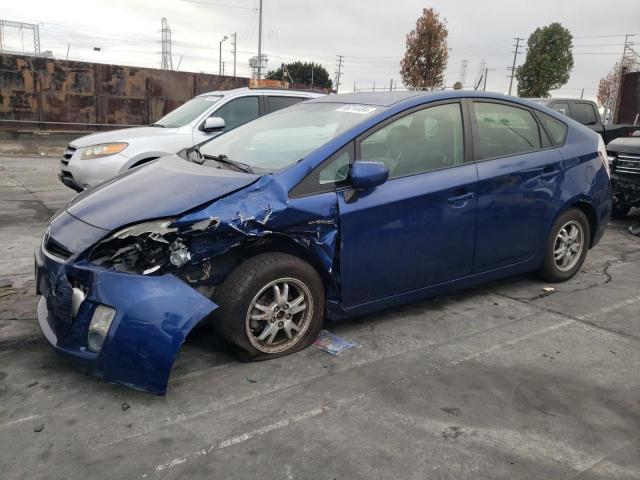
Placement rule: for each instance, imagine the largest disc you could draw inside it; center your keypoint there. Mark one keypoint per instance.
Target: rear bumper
(153, 317)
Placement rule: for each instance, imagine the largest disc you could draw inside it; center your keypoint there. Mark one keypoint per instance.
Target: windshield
(282, 138)
(187, 112)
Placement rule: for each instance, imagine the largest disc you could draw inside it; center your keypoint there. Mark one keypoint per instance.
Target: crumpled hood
(122, 135)
(164, 188)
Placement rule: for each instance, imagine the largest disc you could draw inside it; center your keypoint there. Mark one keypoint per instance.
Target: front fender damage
(264, 211)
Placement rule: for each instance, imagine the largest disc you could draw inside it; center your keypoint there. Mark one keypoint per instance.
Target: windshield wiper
(157, 125)
(243, 167)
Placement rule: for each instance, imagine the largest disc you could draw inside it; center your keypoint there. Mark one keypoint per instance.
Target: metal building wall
(55, 94)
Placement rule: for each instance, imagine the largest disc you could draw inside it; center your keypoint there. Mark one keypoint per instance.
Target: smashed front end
(121, 303)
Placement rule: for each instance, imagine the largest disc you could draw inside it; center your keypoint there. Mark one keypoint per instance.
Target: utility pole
(391, 85)
(515, 57)
(339, 72)
(616, 97)
(312, 68)
(235, 51)
(582, 94)
(68, 47)
(260, 43)
(486, 72)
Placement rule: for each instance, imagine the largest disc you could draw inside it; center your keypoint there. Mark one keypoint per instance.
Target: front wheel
(566, 246)
(271, 305)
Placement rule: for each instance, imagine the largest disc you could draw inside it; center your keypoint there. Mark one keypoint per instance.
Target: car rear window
(556, 130)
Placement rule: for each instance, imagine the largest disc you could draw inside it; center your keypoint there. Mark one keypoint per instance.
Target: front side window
(238, 111)
(561, 107)
(503, 130)
(285, 137)
(188, 112)
(584, 113)
(426, 140)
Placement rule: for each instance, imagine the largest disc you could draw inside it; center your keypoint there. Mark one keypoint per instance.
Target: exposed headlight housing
(103, 150)
(99, 327)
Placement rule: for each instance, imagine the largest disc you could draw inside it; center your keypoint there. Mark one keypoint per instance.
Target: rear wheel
(271, 305)
(566, 247)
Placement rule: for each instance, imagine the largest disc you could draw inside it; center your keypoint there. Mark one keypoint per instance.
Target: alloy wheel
(568, 246)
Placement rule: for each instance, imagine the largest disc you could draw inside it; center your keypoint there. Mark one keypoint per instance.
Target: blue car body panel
(409, 238)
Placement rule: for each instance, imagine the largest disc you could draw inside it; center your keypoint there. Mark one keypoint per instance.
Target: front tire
(271, 305)
(566, 246)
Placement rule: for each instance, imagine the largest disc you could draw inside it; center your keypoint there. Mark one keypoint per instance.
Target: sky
(370, 35)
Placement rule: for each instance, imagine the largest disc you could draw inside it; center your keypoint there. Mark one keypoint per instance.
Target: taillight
(602, 153)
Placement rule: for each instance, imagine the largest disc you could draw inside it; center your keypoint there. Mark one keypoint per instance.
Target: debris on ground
(250, 380)
(548, 289)
(38, 428)
(635, 229)
(125, 406)
(332, 344)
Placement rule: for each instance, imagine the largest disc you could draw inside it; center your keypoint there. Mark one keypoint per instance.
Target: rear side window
(503, 130)
(278, 103)
(584, 113)
(555, 128)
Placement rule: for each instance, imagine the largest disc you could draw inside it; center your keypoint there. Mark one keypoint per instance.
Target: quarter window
(238, 111)
(503, 130)
(420, 142)
(555, 128)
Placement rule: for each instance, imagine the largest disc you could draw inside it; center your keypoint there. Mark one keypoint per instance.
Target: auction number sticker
(361, 109)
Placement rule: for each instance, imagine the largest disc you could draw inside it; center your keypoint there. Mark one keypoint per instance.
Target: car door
(235, 112)
(519, 181)
(418, 228)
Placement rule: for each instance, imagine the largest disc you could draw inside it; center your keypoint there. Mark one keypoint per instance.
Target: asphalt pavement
(502, 381)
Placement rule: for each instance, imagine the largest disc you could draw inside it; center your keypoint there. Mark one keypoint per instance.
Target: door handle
(461, 198)
(549, 172)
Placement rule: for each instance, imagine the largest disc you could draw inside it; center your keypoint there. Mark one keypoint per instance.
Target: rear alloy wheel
(566, 247)
(271, 305)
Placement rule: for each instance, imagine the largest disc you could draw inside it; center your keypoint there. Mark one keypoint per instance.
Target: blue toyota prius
(338, 206)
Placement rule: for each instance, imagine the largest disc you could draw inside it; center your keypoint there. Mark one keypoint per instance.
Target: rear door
(418, 228)
(519, 181)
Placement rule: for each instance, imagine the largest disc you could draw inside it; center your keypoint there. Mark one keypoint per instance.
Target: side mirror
(213, 124)
(367, 175)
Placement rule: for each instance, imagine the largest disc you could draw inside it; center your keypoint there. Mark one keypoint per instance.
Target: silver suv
(94, 158)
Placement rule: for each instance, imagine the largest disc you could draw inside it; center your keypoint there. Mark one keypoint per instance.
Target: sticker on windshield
(361, 109)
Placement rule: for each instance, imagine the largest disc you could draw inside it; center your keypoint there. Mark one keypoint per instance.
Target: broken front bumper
(153, 316)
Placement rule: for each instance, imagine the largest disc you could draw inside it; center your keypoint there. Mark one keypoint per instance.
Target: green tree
(549, 61)
(303, 73)
(426, 54)
(457, 86)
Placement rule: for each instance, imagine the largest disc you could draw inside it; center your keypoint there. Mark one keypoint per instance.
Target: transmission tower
(463, 71)
(167, 62)
(8, 25)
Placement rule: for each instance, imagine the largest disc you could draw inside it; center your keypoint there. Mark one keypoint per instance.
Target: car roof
(558, 99)
(413, 97)
(285, 91)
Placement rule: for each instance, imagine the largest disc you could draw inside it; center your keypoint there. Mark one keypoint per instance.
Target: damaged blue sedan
(338, 206)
